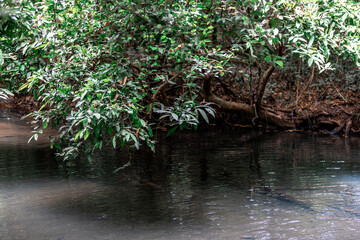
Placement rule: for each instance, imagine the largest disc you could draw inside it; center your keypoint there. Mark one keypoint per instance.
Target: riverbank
(338, 113)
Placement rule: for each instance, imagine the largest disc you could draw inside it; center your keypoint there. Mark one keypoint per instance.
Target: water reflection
(216, 184)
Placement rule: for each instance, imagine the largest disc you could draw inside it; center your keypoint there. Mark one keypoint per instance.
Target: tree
(107, 71)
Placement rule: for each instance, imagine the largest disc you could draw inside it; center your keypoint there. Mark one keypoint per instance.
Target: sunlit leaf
(280, 63)
(1, 58)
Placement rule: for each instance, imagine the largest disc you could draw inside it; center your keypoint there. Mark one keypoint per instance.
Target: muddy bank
(330, 115)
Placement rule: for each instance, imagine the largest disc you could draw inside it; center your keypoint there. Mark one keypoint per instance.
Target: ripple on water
(225, 184)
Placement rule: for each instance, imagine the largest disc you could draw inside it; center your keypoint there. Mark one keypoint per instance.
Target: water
(214, 184)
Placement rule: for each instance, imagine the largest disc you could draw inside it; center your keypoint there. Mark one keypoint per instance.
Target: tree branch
(160, 88)
(262, 84)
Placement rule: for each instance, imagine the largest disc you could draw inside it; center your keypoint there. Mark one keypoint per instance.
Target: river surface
(210, 184)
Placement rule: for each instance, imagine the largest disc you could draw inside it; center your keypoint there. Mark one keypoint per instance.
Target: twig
(160, 88)
(338, 91)
(164, 85)
(306, 86)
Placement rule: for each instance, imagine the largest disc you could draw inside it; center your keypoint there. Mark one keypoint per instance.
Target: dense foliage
(105, 71)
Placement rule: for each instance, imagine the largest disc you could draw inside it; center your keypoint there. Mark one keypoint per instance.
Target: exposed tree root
(348, 127)
(331, 122)
(279, 120)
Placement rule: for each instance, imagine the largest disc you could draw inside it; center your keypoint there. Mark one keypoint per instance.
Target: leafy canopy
(100, 68)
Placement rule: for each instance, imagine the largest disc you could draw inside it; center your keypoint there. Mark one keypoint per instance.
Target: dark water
(215, 184)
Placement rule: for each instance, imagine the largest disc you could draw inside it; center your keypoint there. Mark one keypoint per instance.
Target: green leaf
(276, 31)
(90, 158)
(114, 141)
(45, 124)
(310, 61)
(142, 122)
(35, 94)
(22, 87)
(267, 58)
(280, 63)
(150, 132)
(163, 38)
(203, 114)
(86, 135)
(1, 58)
(171, 131)
(77, 135)
(42, 45)
(97, 115)
(174, 116)
(275, 40)
(137, 144)
(311, 41)
(210, 111)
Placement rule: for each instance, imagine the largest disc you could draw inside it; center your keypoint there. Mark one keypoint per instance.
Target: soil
(328, 109)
